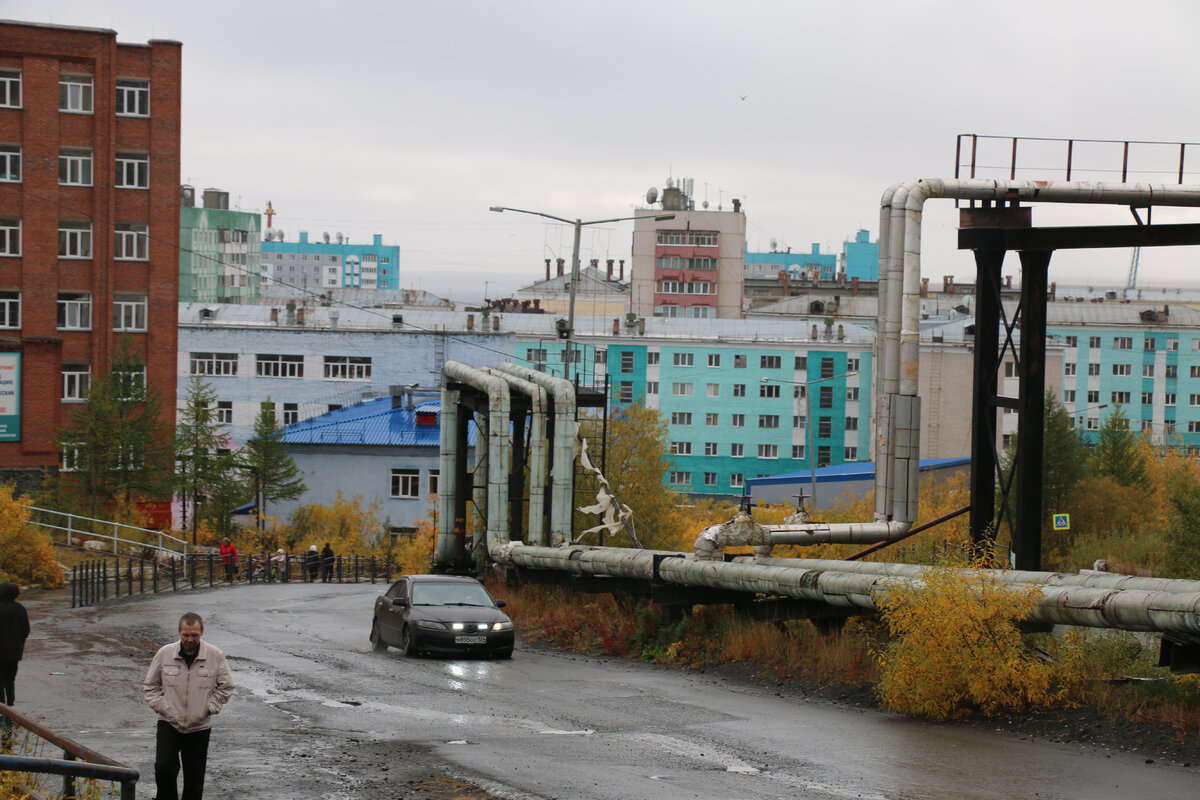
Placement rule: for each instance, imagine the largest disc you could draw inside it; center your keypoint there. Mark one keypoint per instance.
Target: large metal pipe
(879, 369)
(1176, 613)
(447, 474)
(498, 459)
(1094, 580)
(537, 452)
(566, 428)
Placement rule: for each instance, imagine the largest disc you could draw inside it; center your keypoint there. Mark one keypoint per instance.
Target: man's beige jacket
(187, 697)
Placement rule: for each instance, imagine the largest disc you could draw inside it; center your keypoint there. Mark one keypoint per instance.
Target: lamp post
(1081, 414)
(808, 422)
(578, 224)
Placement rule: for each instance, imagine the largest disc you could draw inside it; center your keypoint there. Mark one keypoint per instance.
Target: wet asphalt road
(318, 715)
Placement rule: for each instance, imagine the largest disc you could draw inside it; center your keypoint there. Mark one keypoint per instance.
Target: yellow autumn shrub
(954, 647)
(26, 553)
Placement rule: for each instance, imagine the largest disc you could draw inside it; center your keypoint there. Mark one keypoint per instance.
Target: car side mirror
(500, 604)
(402, 602)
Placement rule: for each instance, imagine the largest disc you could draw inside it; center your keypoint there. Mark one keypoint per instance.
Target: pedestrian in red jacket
(229, 557)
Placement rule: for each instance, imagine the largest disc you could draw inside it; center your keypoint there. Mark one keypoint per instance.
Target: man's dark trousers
(172, 748)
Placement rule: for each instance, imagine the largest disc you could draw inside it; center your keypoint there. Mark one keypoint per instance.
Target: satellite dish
(339, 237)
(279, 234)
(651, 195)
(704, 205)
(774, 245)
(325, 236)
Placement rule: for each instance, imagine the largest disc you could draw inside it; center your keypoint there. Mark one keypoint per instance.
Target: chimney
(299, 316)
(595, 263)
(947, 283)
(495, 322)
(470, 322)
(841, 332)
(610, 263)
(275, 315)
(924, 287)
(1008, 281)
(641, 326)
(547, 269)
(854, 287)
(622, 270)
(616, 323)
(1053, 286)
(560, 267)
(814, 331)
(737, 205)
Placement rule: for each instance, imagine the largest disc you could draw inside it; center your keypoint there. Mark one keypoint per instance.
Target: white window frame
(10, 163)
(10, 309)
(133, 171)
(75, 167)
(435, 477)
(736, 480)
(681, 389)
(348, 368)
(291, 413)
(74, 239)
(133, 98)
(737, 421)
(768, 451)
(74, 311)
(225, 412)
(714, 359)
(681, 418)
(130, 312)
(212, 364)
(768, 420)
(130, 383)
(651, 388)
(714, 390)
(770, 362)
(711, 420)
(710, 479)
(76, 94)
(405, 483)
(76, 381)
(737, 450)
(681, 448)
(10, 237)
(769, 390)
(131, 241)
(10, 88)
(683, 359)
(680, 478)
(277, 365)
(1122, 370)
(711, 448)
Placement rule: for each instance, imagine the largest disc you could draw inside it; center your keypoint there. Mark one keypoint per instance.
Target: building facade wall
(666, 254)
(220, 255)
(314, 266)
(82, 144)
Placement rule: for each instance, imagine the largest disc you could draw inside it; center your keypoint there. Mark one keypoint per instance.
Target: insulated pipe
(882, 404)
(537, 453)
(447, 475)
(499, 456)
(1165, 612)
(839, 532)
(1099, 580)
(566, 428)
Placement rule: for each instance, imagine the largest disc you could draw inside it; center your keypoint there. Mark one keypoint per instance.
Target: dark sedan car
(441, 614)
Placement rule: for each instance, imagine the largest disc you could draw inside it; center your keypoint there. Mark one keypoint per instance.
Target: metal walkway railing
(24, 745)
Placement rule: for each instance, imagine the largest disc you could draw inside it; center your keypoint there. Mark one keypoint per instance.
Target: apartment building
(333, 262)
(219, 259)
(89, 224)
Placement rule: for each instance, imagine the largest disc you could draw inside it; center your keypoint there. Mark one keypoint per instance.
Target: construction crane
(1131, 281)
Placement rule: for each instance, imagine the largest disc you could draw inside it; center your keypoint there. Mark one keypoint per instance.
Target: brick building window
(74, 167)
(10, 88)
(130, 383)
(74, 239)
(129, 312)
(131, 241)
(406, 483)
(10, 309)
(10, 237)
(133, 98)
(74, 311)
(133, 171)
(76, 380)
(75, 93)
(279, 366)
(10, 163)
(348, 368)
(213, 364)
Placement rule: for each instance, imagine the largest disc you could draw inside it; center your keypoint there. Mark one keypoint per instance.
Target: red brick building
(89, 224)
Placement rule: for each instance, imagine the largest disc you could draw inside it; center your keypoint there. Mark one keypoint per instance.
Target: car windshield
(450, 594)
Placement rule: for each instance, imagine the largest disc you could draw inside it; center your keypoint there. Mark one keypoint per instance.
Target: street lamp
(578, 225)
(1081, 414)
(808, 422)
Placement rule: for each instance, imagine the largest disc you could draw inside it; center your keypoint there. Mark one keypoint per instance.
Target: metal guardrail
(75, 528)
(23, 747)
(121, 576)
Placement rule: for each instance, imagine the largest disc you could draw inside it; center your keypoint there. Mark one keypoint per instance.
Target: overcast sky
(410, 119)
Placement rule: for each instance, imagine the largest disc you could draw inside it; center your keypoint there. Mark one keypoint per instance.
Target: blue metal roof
(373, 422)
(852, 471)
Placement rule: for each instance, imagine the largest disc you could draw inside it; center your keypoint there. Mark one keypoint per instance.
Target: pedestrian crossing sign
(1062, 522)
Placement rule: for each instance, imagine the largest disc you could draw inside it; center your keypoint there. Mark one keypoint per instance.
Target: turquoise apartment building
(333, 262)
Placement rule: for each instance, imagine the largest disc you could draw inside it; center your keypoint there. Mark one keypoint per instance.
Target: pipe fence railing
(110, 577)
(28, 764)
(75, 529)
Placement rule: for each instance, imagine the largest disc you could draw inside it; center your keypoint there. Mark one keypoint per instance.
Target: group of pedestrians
(317, 564)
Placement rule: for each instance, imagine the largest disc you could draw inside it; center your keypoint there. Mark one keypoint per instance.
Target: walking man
(14, 630)
(327, 562)
(187, 683)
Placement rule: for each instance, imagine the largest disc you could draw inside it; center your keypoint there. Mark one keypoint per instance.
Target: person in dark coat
(312, 562)
(327, 559)
(14, 630)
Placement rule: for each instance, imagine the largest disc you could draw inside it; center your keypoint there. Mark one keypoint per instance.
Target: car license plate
(470, 640)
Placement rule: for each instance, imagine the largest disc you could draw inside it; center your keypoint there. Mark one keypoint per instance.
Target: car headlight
(430, 625)
(502, 626)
